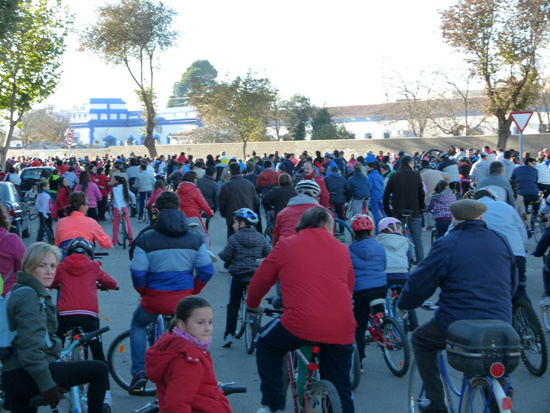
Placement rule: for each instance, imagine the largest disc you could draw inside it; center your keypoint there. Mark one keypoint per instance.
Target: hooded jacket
(77, 275)
(243, 249)
(397, 249)
(185, 378)
(338, 188)
(164, 261)
(12, 250)
(32, 320)
(317, 177)
(376, 185)
(191, 200)
(369, 264)
(359, 186)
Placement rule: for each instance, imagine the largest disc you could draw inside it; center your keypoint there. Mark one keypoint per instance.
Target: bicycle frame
(312, 369)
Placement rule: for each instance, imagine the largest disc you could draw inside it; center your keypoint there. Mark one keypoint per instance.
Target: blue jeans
(377, 212)
(142, 196)
(138, 337)
(415, 226)
(271, 346)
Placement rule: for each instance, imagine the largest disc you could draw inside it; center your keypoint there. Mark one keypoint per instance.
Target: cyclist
(33, 367)
(340, 191)
(499, 184)
(240, 254)
(440, 201)
(77, 303)
(312, 174)
(316, 294)
(308, 196)
(77, 224)
(92, 191)
(476, 271)
(277, 198)
(164, 259)
(11, 253)
(43, 205)
(369, 264)
(525, 178)
(376, 186)
(360, 189)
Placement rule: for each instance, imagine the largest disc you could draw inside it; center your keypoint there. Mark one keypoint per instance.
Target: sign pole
(521, 148)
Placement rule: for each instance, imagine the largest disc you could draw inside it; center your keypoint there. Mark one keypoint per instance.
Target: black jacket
(236, 193)
(277, 199)
(406, 192)
(209, 190)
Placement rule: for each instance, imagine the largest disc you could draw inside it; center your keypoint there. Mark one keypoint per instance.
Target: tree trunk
(503, 130)
(6, 146)
(151, 120)
(245, 141)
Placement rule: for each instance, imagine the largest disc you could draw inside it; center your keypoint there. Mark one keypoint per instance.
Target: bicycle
(123, 231)
(153, 407)
(47, 234)
(407, 214)
(316, 395)
(78, 394)
(119, 356)
(392, 309)
(390, 337)
(534, 352)
(248, 323)
(343, 231)
(535, 221)
(545, 312)
(482, 354)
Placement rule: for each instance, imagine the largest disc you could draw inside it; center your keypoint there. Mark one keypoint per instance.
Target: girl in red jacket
(181, 366)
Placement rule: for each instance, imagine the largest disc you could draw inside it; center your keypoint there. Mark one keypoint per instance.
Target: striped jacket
(164, 262)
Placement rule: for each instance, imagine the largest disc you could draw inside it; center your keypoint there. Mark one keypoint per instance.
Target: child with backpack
(440, 207)
(180, 364)
(369, 264)
(398, 257)
(240, 255)
(77, 277)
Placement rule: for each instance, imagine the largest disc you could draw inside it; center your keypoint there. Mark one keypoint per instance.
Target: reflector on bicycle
(497, 370)
(507, 403)
(316, 349)
(313, 366)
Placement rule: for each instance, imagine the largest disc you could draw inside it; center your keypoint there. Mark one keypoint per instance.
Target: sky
(350, 52)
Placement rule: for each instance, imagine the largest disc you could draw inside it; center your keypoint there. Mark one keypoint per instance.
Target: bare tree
(42, 125)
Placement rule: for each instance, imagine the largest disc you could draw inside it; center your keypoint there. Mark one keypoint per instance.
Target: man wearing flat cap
(475, 269)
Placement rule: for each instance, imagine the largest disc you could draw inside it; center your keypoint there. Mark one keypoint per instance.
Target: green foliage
(243, 104)
(200, 74)
(129, 33)
(30, 58)
(502, 40)
(296, 113)
(322, 128)
(9, 16)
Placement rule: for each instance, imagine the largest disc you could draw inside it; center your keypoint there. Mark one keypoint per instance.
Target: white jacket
(397, 248)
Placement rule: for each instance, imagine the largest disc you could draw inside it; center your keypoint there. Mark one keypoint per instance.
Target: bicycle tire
(343, 231)
(119, 360)
(239, 331)
(252, 326)
(355, 371)
(286, 382)
(475, 399)
(268, 232)
(396, 342)
(323, 397)
(534, 352)
(394, 313)
(348, 214)
(545, 314)
(124, 232)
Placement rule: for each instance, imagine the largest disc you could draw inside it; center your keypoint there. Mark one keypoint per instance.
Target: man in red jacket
(317, 307)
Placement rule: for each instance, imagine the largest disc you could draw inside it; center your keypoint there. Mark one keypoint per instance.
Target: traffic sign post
(69, 139)
(521, 119)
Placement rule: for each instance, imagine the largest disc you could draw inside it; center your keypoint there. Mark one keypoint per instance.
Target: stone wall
(532, 143)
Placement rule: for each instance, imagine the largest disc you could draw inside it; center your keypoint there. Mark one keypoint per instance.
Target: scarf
(184, 334)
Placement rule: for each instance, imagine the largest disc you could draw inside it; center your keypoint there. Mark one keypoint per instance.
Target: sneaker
(138, 383)
(107, 403)
(545, 302)
(428, 407)
(362, 369)
(227, 341)
(139, 220)
(268, 410)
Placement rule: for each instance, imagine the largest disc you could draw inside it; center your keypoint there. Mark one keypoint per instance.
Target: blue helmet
(247, 214)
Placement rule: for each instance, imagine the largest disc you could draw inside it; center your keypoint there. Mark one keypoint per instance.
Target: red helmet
(362, 222)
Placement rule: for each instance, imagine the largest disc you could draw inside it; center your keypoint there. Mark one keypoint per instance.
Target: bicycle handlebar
(87, 337)
(272, 312)
(429, 306)
(228, 388)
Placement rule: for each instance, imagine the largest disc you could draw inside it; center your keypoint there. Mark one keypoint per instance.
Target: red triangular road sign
(521, 119)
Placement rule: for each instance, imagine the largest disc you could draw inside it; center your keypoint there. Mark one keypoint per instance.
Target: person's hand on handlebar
(51, 397)
(258, 310)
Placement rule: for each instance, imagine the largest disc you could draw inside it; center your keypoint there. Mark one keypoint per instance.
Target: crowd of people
(171, 260)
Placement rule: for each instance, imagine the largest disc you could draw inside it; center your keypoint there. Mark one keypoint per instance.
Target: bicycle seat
(407, 213)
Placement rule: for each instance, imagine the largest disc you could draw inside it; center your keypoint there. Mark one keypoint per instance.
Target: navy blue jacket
(368, 257)
(476, 271)
(526, 179)
(359, 185)
(338, 187)
(376, 185)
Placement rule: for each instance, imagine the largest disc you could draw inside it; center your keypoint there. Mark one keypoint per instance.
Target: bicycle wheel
(252, 325)
(348, 212)
(240, 319)
(343, 231)
(268, 233)
(533, 343)
(355, 371)
(396, 347)
(476, 399)
(119, 359)
(545, 313)
(123, 232)
(323, 397)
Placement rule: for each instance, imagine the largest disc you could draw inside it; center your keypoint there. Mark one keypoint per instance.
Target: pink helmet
(388, 223)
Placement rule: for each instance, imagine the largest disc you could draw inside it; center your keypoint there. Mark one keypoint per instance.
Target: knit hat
(467, 209)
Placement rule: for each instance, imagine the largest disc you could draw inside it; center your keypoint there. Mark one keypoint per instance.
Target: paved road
(379, 390)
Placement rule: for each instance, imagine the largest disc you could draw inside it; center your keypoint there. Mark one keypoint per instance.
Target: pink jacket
(92, 192)
(11, 254)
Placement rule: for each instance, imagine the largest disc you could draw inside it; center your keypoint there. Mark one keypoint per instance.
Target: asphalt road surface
(379, 390)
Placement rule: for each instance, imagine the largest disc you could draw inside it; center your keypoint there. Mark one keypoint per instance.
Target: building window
(103, 116)
(113, 116)
(93, 116)
(123, 116)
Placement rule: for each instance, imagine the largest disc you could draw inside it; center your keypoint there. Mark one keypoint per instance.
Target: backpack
(156, 166)
(6, 335)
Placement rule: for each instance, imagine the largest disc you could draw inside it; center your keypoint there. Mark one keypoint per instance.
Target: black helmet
(80, 246)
